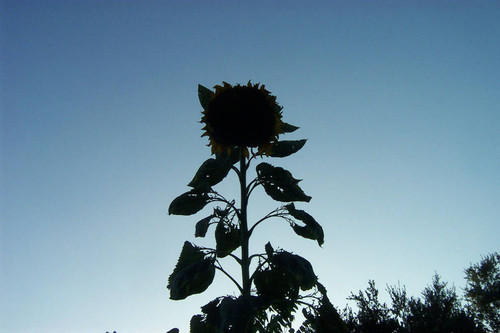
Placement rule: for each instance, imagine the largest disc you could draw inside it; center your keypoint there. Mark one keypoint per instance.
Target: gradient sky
(399, 101)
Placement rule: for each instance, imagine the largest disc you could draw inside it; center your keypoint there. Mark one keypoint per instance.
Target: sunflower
(241, 116)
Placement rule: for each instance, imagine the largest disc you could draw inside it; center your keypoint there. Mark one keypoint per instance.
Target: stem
(245, 262)
(274, 213)
(219, 267)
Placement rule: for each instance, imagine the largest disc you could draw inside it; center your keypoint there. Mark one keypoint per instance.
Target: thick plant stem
(245, 261)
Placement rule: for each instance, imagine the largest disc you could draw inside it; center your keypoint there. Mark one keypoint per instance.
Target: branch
(257, 255)
(252, 185)
(238, 260)
(278, 212)
(235, 169)
(219, 267)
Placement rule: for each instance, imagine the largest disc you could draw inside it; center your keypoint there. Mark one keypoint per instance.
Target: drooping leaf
(279, 184)
(202, 226)
(278, 290)
(286, 148)
(311, 230)
(188, 203)
(305, 231)
(204, 95)
(275, 284)
(193, 273)
(287, 128)
(296, 266)
(227, 237)
(211, 172)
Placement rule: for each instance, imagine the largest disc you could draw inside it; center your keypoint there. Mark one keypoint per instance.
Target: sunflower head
(245, 116)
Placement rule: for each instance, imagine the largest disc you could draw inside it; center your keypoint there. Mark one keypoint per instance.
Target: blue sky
(99, 132)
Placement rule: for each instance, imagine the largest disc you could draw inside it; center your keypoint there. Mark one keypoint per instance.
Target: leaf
(296, 266)
(202, 226)
(198, 324)
(275, 284)
(227, 238)
(286, 148)
(227, 314)
(279, 184)
(311, 230)
(204, 95)
(236, 314)
(193, 273)
(287, 128)
(211, 172)
(188, 203)
(269, 249)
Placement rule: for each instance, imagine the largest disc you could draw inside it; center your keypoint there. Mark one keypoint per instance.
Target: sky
(100, 131)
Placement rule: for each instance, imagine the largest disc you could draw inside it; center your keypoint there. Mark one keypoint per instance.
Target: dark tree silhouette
(483, 291)
(372, 316)
(439, 310)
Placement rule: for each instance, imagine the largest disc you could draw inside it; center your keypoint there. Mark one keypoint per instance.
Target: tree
(483, 291)
(439, 310)
(372, 316)
(243, 123)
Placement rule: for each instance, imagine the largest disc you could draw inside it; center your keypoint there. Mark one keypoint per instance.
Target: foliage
(439, 309)
(283, 282)
(483, 291)
(372, 315)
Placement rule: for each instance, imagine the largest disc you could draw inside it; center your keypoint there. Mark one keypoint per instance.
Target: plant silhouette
(244, 122)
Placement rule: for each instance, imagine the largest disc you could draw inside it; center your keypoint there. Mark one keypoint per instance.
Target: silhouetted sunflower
(242, 116)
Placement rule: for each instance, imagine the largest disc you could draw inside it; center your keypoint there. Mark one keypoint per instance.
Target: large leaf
(211, 172)
(279, 184)
(286, 148)
(227, 238)
(279, 290)
(274, 284)
(311, 230)
(204, 95)
(193, 273)
(227, 314)
(188, 203)
(236, 314)
(296, 266)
